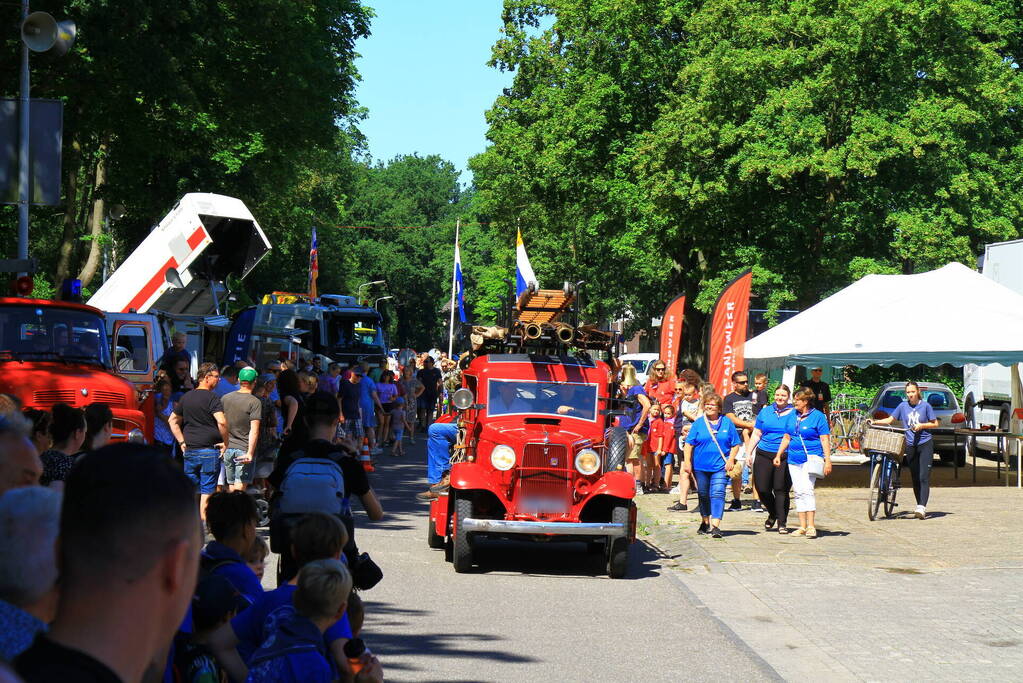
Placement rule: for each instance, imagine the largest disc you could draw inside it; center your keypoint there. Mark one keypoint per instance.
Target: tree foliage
(660, 147)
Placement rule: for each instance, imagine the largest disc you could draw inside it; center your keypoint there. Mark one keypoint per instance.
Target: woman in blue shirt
(918, 417)
(710, 451)
(773, 480)
(808, 433)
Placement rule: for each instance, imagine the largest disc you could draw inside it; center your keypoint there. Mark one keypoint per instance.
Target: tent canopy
(950, 315)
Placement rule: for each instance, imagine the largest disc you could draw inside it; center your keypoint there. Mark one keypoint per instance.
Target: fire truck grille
(112, 398)
(544, 486)
(48, 398)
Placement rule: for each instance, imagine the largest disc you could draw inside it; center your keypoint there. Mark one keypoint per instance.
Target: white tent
(950, 315)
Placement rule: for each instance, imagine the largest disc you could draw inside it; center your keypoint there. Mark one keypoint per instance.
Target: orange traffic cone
(364, 458)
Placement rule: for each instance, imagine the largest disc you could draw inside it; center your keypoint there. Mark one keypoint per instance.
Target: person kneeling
(295, 650)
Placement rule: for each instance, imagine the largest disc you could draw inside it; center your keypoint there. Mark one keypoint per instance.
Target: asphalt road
(546, 612)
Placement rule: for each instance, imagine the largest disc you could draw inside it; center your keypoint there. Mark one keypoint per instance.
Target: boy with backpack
(320, 477)
(231, 518)
(295, 651)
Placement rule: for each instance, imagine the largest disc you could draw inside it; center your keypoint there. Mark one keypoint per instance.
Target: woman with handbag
(808, 435)
(709, 453)
(918, 417)
(771, 474)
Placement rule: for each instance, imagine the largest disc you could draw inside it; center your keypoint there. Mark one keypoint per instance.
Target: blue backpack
(313, 485)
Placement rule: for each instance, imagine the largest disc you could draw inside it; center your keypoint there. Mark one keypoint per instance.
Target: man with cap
(821, 390)
(243, 412)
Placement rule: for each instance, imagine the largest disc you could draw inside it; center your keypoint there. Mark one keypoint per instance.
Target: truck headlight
(587, 461)
(136, 436)
(502, 457)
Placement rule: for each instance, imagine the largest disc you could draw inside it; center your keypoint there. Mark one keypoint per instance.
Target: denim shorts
(237, 472)
(202, 465)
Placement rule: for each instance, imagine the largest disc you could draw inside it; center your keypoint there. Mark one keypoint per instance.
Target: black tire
(616, 450)
(263, 509)
(461, 548)
(618, 547)
(433, 539)
(874, 500)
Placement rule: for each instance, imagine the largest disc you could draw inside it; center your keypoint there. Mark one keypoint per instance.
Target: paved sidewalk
(898, 599)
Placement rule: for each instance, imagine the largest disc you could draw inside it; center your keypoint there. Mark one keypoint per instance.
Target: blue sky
(425, 80)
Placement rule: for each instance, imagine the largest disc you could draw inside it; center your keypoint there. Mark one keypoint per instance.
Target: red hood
(42, 384)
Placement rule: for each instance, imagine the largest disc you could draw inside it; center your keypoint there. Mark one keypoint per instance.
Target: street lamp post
(358, 293)
(381, 299)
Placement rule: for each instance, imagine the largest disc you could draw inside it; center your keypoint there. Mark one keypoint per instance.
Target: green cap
(247, 375)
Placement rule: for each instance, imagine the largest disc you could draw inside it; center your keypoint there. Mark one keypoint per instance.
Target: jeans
(919, 459)
(237, 472)
(773, 484)
(441, 436)
(711, 487)
(202, 465)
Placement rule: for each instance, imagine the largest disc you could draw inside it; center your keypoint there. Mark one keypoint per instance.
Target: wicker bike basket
(884, 440)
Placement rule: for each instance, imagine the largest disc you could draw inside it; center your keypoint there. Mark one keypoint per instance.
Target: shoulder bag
(736, 470)
(814, 463)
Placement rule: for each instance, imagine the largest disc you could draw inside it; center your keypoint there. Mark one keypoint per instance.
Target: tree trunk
(67, 241)
(96, 218)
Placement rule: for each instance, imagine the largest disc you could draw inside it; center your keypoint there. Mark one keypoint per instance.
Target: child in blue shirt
(295, 651)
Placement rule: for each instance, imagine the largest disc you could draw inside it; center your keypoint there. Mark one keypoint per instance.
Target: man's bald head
(19, 460)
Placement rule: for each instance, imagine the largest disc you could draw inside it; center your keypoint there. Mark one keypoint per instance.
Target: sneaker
(678, 507)
(811, 532)
(921, 512)
(756, 507)
(801, 531)
(674, 490)
(639, 489)
(704, 528)
(736, 504)
(715, 532)
(428, 495)
(441, 485)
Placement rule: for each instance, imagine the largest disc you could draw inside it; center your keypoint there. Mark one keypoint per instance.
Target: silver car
(946, 408)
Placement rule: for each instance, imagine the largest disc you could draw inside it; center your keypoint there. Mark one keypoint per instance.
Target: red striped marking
(151, 286)
(197, 237)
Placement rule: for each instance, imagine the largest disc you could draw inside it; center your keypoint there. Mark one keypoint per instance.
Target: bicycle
(887, 443)
(847, 427)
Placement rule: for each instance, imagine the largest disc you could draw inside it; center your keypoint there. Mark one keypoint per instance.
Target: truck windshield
(347, 332)
(52, 333)
(516, 397)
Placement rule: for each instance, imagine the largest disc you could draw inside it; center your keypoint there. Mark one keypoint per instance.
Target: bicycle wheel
(875, 498)
(892, 489)
(839, 433)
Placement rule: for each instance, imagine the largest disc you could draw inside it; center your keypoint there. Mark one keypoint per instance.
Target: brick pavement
(898, 599)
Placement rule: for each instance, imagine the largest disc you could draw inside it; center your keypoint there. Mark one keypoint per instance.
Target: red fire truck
(57, 352)
(537, 455)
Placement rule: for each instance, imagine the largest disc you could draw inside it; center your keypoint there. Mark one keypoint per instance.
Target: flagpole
(451, 324)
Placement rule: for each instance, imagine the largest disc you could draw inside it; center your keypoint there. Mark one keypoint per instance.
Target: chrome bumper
(504, 526)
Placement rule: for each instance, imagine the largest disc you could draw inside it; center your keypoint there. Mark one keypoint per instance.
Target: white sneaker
(674, 490)
(639, 489)
(921, 512)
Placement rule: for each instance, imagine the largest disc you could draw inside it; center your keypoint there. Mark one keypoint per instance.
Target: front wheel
(874, 501)
(461, 550)
(891, 489)
(433, 539)
(618, 546)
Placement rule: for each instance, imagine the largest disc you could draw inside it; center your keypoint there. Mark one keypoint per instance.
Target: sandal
(811, 532)
(769, 523)
(801, 531)
(783, 530)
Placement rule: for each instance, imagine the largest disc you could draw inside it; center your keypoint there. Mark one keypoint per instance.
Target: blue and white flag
(459, 284)
(523, 271)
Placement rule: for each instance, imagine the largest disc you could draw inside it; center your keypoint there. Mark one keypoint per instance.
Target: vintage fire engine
(537, 455)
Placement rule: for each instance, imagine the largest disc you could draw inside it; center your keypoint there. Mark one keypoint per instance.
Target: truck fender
(471, 475)
(618, 483)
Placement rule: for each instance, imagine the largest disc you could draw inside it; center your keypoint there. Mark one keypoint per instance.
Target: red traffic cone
(367, 463)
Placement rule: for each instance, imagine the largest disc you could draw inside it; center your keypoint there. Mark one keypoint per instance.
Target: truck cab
(58, 352)
(538, 455)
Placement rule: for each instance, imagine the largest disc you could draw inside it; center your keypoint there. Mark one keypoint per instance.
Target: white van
(640, 361)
